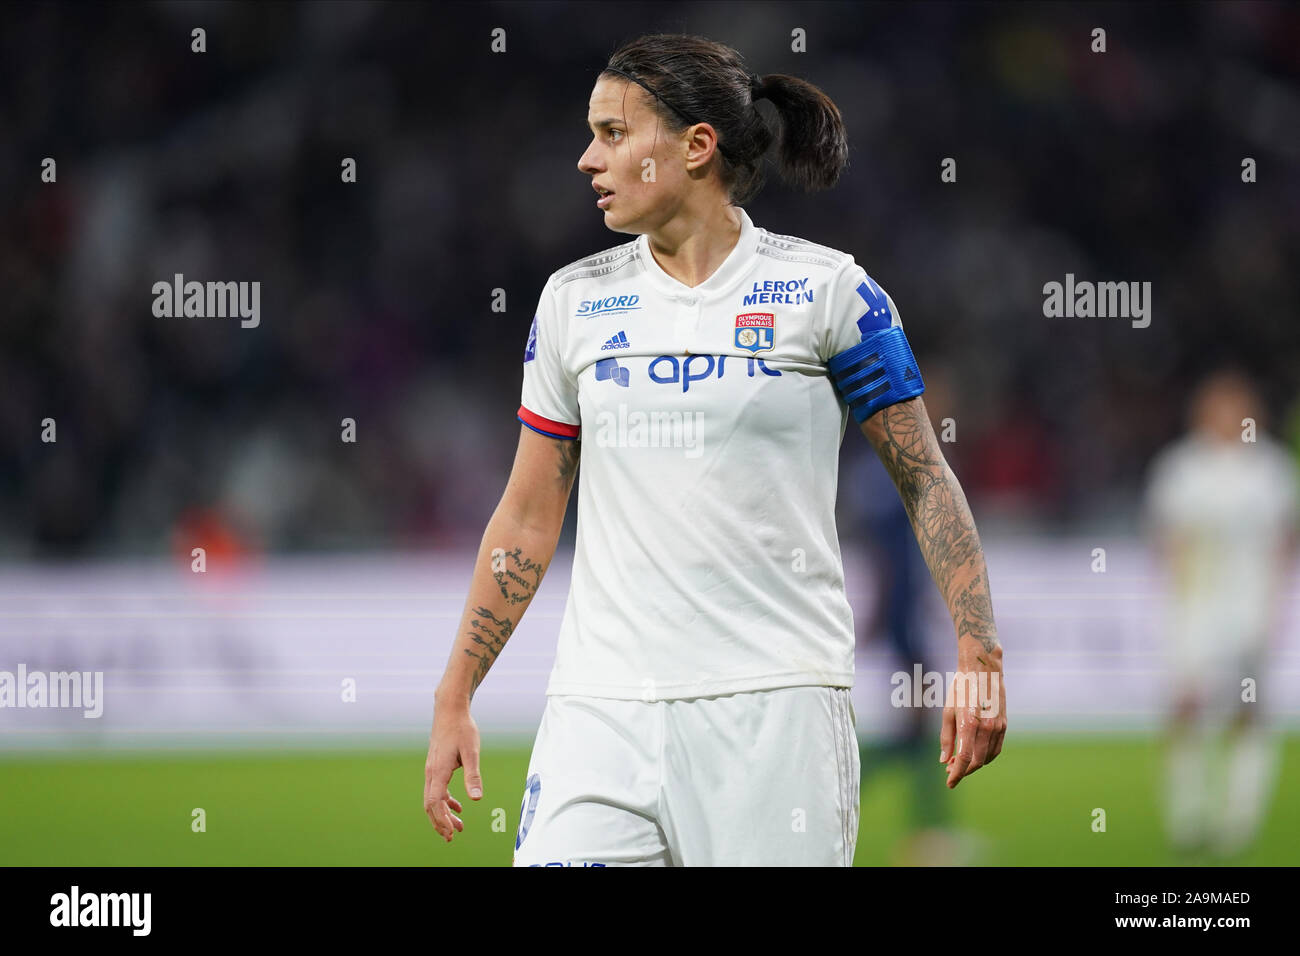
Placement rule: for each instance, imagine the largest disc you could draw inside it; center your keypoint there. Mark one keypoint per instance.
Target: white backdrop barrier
(332, 650)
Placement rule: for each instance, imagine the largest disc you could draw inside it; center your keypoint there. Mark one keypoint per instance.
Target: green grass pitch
(1034, 806)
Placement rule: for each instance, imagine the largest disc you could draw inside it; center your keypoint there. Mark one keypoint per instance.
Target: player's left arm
(945, 531)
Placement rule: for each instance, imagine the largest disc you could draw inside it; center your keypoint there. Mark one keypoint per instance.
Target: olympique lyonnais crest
(754, 331)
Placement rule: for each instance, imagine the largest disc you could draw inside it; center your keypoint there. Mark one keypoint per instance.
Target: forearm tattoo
(941, 518)
(488, 634)
(517, 577)
(973, 614)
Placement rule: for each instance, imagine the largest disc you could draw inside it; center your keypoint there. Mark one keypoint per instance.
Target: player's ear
(696, 141)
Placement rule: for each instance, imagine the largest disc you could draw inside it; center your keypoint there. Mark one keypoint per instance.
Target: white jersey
(707, 559)
(1229, 507)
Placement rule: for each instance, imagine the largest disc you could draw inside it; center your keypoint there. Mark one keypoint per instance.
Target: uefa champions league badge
(530, 350)
(754, 331)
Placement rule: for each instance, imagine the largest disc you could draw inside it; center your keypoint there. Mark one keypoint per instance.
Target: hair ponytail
(814, 147)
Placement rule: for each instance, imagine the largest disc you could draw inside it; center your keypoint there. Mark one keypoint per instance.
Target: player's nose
(588, 162)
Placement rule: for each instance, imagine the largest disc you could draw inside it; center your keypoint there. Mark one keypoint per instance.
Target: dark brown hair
(691, 79)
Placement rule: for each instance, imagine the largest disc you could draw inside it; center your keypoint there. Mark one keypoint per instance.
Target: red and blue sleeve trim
(545, 426)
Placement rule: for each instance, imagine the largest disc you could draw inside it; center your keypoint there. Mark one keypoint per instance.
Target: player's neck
(691, 248)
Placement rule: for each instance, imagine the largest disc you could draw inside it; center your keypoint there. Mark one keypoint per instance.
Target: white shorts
(1214, 679)
(761, 778)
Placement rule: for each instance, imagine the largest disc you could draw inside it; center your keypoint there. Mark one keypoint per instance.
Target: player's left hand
(975, 712)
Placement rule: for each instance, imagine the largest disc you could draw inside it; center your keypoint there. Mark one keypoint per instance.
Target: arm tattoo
(974, 614)
(489, 634)
(940, 516)
(517, 577)
(570, 451)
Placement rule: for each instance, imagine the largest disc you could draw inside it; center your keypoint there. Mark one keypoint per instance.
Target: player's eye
(612, 133)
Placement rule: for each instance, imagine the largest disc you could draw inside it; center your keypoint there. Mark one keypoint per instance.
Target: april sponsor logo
(614, 303)
(608, 370)
(779, 292)
(56, 689)
(927, 689)
(668, 370)
(652, 429)
(1102, 300)
(75, 908)
(210, 300)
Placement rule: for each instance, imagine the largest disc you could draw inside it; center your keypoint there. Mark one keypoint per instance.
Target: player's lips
(605, 195)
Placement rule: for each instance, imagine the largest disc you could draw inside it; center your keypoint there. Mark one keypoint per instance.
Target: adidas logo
(907, 376)
(618, 341)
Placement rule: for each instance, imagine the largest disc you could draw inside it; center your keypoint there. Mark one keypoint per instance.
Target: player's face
(1221, 403)
(633, 154)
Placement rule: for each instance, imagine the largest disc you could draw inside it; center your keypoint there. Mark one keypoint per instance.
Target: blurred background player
(1222, 507)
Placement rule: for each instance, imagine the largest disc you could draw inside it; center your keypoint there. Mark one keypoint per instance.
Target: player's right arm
(516, 549)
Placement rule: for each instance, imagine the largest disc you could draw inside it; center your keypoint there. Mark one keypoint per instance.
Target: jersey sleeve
(866, 353)
(549, 401)
(856, 307)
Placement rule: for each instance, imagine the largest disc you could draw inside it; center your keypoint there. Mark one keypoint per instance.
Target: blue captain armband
(877, 372)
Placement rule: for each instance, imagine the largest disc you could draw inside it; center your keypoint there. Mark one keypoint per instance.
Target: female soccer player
(703, 374)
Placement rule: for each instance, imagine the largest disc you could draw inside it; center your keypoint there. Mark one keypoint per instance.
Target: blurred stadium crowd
(377, 296)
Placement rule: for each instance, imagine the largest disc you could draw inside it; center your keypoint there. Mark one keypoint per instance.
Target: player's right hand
(453, 743)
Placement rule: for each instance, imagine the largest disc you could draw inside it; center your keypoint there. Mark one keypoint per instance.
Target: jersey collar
(732, 270)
